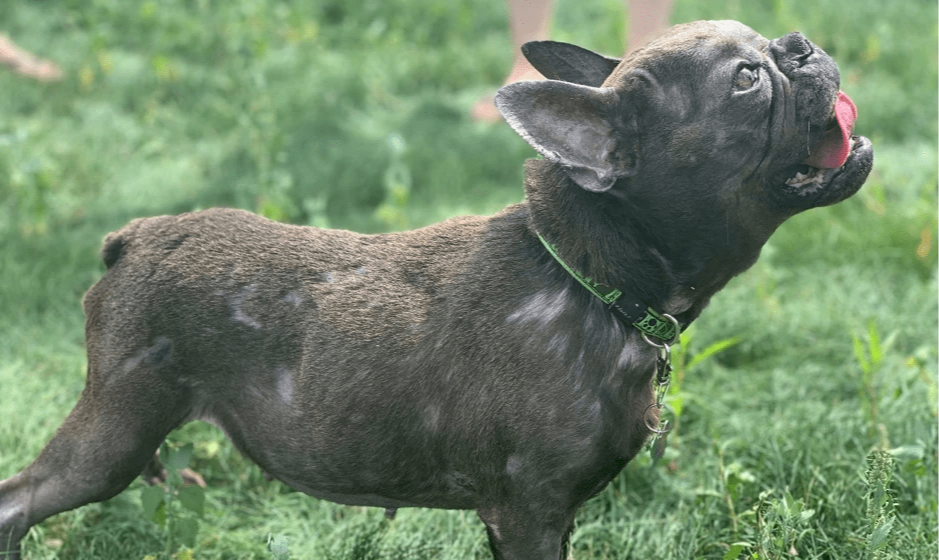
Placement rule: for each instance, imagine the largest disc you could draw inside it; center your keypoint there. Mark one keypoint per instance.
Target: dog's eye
(746, 78)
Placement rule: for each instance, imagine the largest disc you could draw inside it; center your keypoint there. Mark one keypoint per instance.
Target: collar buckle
(664, 327)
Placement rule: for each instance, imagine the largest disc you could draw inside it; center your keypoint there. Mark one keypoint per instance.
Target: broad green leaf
(178, 459)
(186, 530)
(880, 534)
(160, 515)
(150, 499)
(192, 498)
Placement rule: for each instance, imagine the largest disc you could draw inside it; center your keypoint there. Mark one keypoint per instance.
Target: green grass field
(354, 114)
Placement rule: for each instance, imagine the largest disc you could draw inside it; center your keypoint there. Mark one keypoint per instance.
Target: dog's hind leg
(103, 444)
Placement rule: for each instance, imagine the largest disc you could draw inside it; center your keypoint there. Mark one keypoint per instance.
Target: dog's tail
(116, 242)
(113, 247)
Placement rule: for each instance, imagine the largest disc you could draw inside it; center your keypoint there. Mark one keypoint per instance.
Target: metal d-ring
(671, 342)
(654, 429)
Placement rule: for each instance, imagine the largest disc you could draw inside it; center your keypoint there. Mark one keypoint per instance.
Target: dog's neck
(605, 238)
(591, 235)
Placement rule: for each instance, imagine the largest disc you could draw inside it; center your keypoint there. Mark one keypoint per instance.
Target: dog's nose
(796, 44)
(796, 56)
(793, 48)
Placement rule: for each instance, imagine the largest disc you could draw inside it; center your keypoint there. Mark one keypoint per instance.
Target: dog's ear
(569, 124)
(569, 63)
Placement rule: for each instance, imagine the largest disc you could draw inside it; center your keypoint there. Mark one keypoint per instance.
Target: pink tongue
(833, 150)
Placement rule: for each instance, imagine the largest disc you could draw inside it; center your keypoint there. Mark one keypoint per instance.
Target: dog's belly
(430, 497)
(368, 500)
(352, 467)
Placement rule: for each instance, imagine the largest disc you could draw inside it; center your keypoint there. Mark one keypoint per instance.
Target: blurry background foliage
(354, 114)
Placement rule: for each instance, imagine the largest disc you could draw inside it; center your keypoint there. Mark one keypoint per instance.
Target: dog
(508, 364)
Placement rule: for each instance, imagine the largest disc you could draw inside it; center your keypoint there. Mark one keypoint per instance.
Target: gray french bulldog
(507, 364)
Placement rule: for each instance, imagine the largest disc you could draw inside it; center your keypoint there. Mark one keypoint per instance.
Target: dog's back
(240, 263)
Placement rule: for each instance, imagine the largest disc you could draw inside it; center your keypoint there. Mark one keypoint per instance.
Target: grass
(322, 113)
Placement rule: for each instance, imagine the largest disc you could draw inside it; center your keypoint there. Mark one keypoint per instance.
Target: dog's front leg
(515, 533)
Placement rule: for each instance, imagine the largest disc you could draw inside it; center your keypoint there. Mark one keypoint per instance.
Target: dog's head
(710, 117)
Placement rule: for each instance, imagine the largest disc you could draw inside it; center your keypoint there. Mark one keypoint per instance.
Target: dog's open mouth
(808, 175)
(828, 156)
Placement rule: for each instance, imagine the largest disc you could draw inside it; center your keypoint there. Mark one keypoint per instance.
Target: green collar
(631, 310)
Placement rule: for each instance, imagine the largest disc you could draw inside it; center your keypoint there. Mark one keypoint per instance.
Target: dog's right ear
(572, 125)
(569, 63)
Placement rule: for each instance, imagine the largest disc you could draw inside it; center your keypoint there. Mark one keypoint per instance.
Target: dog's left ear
(570, 124)
(569, 63)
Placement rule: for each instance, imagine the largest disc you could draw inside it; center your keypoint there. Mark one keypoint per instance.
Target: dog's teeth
(802, 179)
